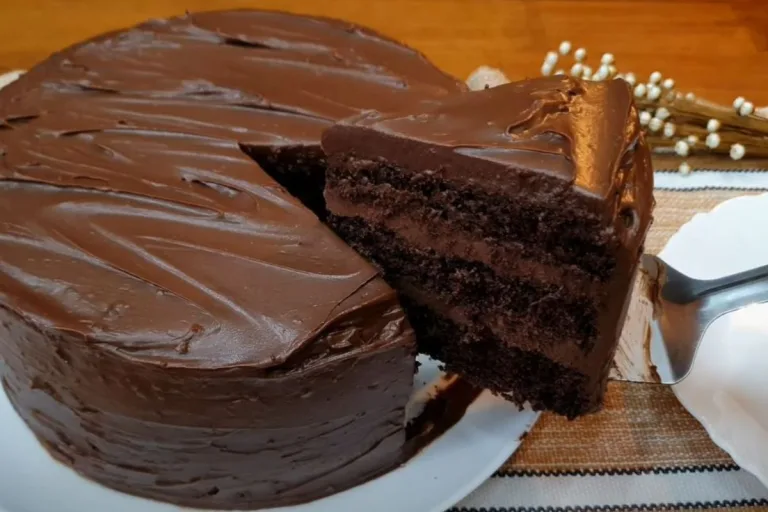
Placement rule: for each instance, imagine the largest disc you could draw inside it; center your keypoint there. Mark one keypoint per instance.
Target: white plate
(437, 478)
(727, 389)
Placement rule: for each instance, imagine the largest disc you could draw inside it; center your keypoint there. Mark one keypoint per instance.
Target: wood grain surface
(716, 49)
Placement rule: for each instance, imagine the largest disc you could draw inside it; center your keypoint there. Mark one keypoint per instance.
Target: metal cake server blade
(669, 314)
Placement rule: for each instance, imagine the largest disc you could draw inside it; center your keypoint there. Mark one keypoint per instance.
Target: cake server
(669, 314)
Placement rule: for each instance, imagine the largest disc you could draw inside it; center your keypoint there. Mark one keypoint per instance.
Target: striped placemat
(643, 451)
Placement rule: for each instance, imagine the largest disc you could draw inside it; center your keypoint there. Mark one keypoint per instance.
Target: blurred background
(715, 49)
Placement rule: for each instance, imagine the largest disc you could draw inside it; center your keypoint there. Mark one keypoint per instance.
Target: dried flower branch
(673, 121)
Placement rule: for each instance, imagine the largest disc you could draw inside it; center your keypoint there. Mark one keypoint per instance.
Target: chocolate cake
(173, 322)
(511, 221)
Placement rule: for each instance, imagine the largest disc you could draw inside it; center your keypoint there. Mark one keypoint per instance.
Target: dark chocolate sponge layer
(545, 230)
(471, 292)
(487, 362)
(173, 323)
(514, 217)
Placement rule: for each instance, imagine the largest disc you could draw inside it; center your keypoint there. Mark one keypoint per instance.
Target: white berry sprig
(674, 119)
(671, 119)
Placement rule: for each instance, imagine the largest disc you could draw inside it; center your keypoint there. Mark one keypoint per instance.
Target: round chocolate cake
(174, 322)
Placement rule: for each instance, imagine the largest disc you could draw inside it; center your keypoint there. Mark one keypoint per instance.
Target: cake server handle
(688, 307)
(715, 285)
(731, 292)
(683, 306)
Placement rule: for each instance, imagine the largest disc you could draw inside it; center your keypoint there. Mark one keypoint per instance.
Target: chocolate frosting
(578, 137)
(124, 154)
(137, 236)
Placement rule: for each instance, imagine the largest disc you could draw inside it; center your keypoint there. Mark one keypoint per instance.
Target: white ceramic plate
(727, 389)
(437, 478)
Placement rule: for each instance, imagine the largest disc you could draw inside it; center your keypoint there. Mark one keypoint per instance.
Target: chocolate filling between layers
(550, 232)
(487, 361)
(517, 309)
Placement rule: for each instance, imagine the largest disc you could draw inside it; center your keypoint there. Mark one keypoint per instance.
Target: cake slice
(511, 221)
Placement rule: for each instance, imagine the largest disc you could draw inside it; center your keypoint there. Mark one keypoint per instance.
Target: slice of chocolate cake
(511, 221)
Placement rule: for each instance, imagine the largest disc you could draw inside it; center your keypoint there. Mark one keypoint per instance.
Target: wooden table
(716, 49)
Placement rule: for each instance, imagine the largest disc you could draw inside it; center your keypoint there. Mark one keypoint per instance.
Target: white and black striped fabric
(685, 488)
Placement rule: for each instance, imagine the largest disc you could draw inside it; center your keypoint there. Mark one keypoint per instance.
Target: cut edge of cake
(511, 221)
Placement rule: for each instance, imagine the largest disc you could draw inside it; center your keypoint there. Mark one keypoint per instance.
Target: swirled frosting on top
(130, 214)
(578, 136)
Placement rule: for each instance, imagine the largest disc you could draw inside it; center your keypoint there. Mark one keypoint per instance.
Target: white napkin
(687, 488)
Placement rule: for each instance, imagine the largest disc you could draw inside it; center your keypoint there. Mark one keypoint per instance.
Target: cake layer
(175, 323)
(298, 169)
(486, 361)
(426, 227)
(567, 237)
(518, 311)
